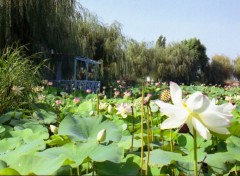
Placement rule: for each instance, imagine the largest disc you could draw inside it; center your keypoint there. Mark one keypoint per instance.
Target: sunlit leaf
(37, 164)
(80, 152)
(84, 129)
(9, 171)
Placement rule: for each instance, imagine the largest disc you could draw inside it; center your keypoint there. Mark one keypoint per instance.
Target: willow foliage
(68, 29)
(43, 24)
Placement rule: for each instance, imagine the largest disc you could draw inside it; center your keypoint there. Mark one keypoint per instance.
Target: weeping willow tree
(42, 24)
(176, 63)
(137, 55)
(63, 28)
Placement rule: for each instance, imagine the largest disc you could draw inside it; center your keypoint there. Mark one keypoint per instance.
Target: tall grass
(18, 75)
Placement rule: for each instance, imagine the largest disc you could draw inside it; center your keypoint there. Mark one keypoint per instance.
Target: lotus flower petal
(220, 130)
(215, 119)
(197, 111)
(197, 102)
(201, 129)
(171, 122)
(176, 93)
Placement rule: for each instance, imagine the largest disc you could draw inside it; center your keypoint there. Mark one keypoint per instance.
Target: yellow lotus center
(191, 113)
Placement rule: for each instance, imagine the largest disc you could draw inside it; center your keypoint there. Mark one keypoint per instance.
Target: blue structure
(94, 85)
(81, 84)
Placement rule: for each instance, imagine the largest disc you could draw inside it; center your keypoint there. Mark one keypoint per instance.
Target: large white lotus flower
(124, 109)
(197, 111)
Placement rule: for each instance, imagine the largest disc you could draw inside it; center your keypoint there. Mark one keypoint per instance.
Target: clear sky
(215, 22)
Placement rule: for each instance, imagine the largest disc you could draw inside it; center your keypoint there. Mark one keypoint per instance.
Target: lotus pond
(116, 132)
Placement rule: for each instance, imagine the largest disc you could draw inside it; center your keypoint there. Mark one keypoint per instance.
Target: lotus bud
(53, 129)
(101, 136)
(110, 109)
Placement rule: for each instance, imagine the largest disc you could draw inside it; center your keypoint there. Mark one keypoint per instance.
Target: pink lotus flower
(149, 95)
(76, 100)
(127, 94)
(116, 93)
(50, 83)
(58, 102)
(88, 91)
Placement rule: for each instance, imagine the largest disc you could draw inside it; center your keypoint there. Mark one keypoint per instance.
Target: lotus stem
(78, 171)
(87, 167)
(171, 142)
(150, 118)
(97, 103)
(195, 152)
(142, 115)
(132, 128)
(148, 141)
(236, 169)
(162, 138)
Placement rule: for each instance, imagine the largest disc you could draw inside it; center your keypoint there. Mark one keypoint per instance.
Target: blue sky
(215, 22)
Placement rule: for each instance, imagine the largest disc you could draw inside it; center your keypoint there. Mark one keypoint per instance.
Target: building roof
(87, 60)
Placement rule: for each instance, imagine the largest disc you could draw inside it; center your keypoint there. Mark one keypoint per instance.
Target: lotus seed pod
(53, 129)
(101, 136)
(166, 96)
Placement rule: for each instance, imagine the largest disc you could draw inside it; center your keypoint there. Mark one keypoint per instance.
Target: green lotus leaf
(9, 171)
(160, 157)
(36, 164)
(78, 153)
(2, 129)
(235, 128)
(16, 148)
(128, 166)
(84, 129)
(186, 141)
(9, 144)
(45, 117)
(126, 142)
(31, 124)
(86, 106)
(218, 161)
(185, 162)
(28, 135)
(6, 131)
(233, 143)
(3, 164)
(58, 140)
(9, 115)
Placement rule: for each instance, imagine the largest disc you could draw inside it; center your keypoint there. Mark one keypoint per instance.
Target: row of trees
(68, 29)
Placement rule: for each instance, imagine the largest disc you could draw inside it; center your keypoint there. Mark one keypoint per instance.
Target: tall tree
(42, 24)
(177, 65)
(161, 41)
(200, 59)
(221, 69)
(237, 67)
